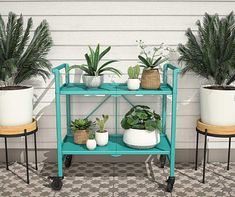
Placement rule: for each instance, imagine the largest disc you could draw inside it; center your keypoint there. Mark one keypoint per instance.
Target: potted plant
(20, 60)
(94, 72)
(151, 60)
(133, 82)
(142, 126)
(102, 135)
(211, 55)
(91, 142)
(80, 130)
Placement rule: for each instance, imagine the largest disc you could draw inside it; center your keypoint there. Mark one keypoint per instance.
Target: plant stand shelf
(116, 147)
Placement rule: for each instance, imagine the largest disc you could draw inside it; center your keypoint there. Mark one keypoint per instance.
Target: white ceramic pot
(16, 106)
(91, 144)
(217, 106)
(141, 139)
(133, 84)
(93, 81)
(102, 139)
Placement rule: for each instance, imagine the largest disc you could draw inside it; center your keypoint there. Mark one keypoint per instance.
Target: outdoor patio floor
(119, 179)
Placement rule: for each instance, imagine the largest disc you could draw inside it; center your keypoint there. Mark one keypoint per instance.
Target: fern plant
(134, 72)
(92, 67)
(20, 59)
(211, 52)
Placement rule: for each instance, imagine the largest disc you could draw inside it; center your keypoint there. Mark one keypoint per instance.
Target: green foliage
(134, 72)
(141, 117)
(91, 135)
(101, 122)
(80, 124)
(20, 59)
(92, 67)
(211, 52)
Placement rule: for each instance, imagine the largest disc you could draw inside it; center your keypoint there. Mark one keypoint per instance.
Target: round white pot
(93, 81)
(91, 144)
(217, 106)
(141, 139)
(102, 139)
(16, 106)
(133, 84)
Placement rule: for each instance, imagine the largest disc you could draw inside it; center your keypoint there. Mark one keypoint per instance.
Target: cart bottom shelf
(115, 147)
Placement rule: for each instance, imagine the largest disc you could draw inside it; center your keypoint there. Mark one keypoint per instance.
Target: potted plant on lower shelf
(133, 82)
(142, 126)
(91, 142)
(94, 72)
(102, 135)
(21, 58)
(211, 54)
(80, 130)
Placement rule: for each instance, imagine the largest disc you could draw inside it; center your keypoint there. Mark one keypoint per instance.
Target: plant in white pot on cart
(91, 142)
(142, 127)
(211, 54)
(94, 71)
(20, 60)
(102, 135)
(133, 82)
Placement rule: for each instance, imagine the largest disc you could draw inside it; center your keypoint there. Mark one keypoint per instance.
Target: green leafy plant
(141, 117)
(152, 59)
(91, 135)
(211, 52)
(101, 123)
(92, 67)
(80, 124)
(20, 59)
(134, 72)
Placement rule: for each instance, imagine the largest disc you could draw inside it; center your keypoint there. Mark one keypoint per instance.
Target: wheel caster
(162, 161)
(68, 160)
(170, 184)
(57, 183)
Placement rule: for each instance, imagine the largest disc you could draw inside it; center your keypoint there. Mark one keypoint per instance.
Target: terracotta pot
(150, 79)
(81, 136)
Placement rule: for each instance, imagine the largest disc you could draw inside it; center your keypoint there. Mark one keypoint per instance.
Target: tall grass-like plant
(20, 57)
(210, 52)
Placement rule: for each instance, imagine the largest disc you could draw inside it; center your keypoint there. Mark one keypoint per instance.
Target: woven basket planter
(150, 79)
(81, 136)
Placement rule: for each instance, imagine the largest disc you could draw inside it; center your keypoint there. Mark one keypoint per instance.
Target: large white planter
(93, 81)
(102, 139)
(141, 139)
(133, 84)
(217, 106)
(16, 107)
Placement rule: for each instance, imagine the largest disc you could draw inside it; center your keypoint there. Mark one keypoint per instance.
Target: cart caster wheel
(162, 161)
(56, 184)
(170, 184)
(68, 160)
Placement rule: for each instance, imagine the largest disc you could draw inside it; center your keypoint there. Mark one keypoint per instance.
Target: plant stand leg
(162, 161)
(229, 149)
(6, 153)
(196, 160)
(170, 183)
(204, 161)
(26, 155)
(35, 151)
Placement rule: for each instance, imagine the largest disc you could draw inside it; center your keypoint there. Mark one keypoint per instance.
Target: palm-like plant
(92, 67)
(20, 59)
(211, 53)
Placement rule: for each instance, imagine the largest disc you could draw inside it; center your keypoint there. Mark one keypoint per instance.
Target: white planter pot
(91, 144)
(133, 84)
(141, 139)
(217, 106)
(102, 139)
(16, 107)
(93, 81)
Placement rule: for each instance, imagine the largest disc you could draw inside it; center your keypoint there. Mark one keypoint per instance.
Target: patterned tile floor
(120, 179)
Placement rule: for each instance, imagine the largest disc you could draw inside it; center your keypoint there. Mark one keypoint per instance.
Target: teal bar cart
(66, 148)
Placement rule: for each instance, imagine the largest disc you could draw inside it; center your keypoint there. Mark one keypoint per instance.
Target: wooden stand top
(216, 130)
(17, 130)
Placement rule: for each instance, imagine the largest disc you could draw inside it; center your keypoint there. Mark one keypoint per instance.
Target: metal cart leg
(229, 149)
(26, 155)
(204, 161)
(35, 151)
(196, 160)
(6, 152)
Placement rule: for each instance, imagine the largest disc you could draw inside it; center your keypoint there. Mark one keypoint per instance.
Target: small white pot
(16, 107)
(217, 106)
(102, 139)
(91, 144)
(133, 84)
(141, 139)
(93, 81)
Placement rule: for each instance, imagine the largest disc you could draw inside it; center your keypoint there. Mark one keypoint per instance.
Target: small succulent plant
(101, 123)
(80, 124)
(134, 72)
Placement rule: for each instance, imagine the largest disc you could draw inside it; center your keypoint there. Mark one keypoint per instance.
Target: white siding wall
(76, 24)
